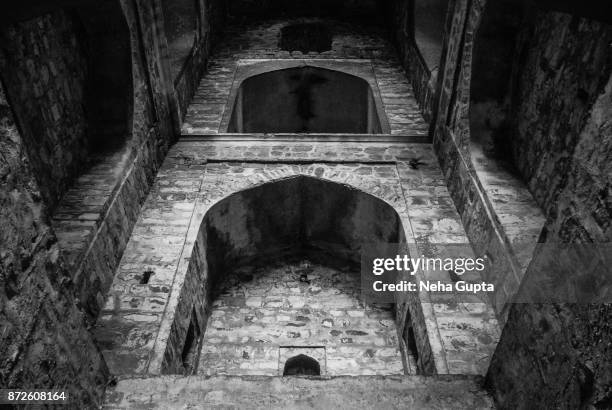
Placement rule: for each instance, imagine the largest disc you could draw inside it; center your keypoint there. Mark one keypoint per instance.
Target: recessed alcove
(309, 96)
(302, 365)
(262, 277)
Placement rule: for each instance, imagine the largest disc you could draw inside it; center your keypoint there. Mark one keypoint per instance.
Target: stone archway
(303, 235)
(493, 62)
(305, 97)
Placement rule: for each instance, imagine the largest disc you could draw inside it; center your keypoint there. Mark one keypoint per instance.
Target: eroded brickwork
(52, 284)
(210, 16)
(44, 342)
(57, 267)
(566, 70)
(572, 182)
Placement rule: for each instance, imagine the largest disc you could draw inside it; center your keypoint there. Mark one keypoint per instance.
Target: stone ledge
(194, 135)
(380, 392)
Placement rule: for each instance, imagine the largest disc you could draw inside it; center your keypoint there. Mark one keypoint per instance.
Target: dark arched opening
(302, 365)
(308, 216)
(305, 99)
(181, 24)
(289, 265)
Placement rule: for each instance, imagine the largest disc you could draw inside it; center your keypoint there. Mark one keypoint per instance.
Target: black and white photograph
(294, 205)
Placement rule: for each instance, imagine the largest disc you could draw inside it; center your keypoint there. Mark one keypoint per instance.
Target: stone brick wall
(257, 311)
(567, 64)
(50, 287)
(549, 355)
(44, 69)
(556, 355)
(44, 342)
(260, 40)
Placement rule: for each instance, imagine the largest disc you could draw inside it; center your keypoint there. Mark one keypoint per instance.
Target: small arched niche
(306, 99)
(302, 365)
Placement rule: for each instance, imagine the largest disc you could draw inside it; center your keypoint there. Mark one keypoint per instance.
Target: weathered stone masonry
(559, 95)
(144, 327)
(43, 340)
(98, 206)
(156, 243)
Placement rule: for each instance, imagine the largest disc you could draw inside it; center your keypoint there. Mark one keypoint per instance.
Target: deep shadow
(309, 215)
(305, 99)
(302, 365)
(108, 88)
(306, 37)
(181, 21)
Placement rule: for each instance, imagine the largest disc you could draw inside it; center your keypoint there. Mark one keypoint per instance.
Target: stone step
(354, 393)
